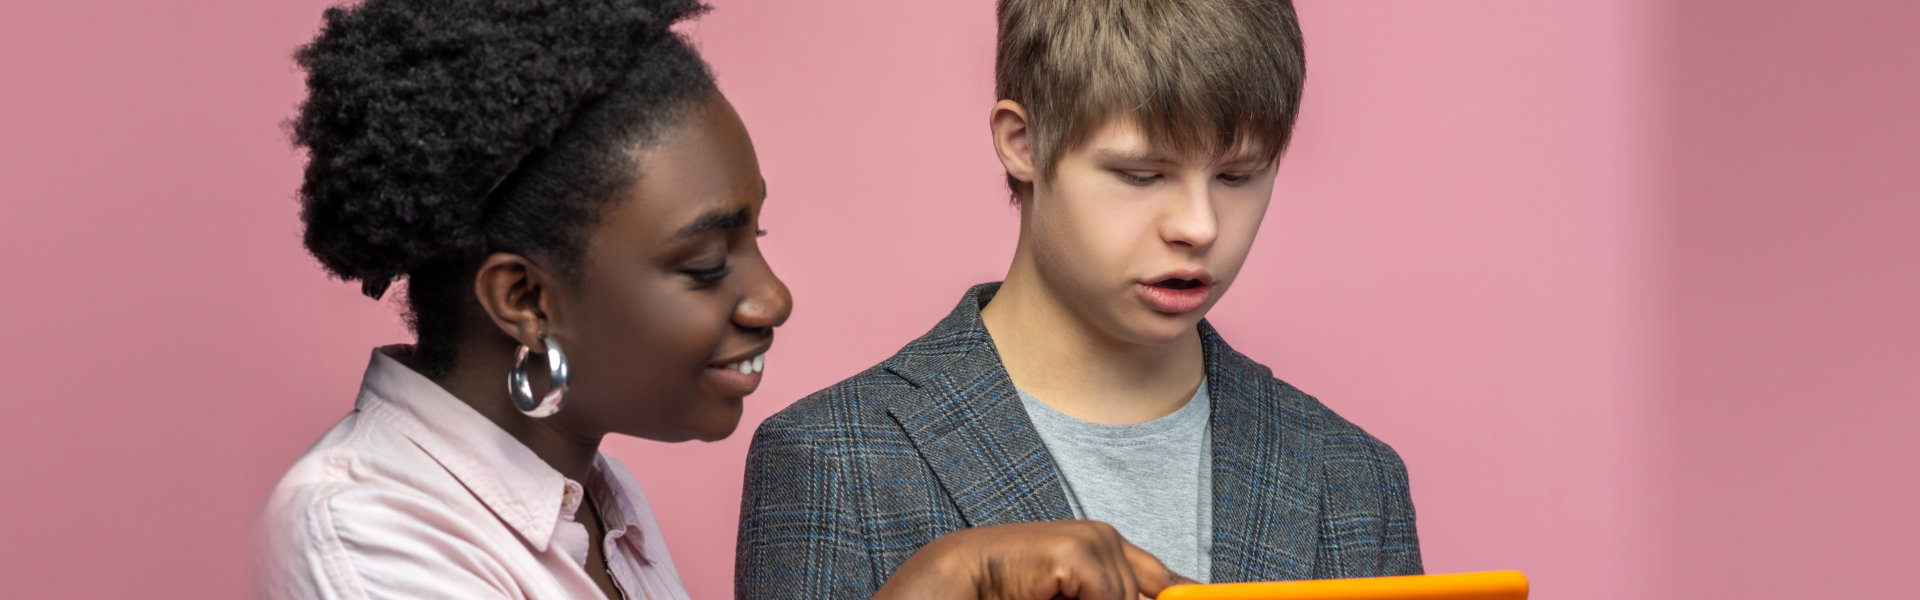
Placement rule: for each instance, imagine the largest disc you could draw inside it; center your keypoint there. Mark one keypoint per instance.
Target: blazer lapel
(967, 422)
(1266, 481)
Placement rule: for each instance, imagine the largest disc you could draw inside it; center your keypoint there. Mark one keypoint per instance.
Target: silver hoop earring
(522, 390)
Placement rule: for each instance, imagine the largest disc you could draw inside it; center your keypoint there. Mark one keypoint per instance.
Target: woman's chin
(714, 429)
(721, 426)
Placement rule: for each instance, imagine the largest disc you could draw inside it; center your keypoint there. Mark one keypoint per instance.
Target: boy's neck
(1069, 365)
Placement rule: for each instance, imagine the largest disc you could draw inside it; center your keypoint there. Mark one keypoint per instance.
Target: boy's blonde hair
(1197, 76)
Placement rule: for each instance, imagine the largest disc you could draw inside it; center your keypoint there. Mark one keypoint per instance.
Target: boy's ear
(1011, 140)
(512, 290)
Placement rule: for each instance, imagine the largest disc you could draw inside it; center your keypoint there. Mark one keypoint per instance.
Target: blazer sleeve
(1400, 547)
(799, 537)
(1366, 521)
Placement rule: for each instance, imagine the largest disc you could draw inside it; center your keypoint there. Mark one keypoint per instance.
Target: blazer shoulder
(1340, 437)
(851, 402)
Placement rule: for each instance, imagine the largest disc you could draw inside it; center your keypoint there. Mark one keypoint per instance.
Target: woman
(573, 206)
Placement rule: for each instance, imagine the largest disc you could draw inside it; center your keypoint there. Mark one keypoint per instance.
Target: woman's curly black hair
(439, 131)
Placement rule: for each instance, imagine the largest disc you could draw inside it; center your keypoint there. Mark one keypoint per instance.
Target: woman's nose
(766, 305)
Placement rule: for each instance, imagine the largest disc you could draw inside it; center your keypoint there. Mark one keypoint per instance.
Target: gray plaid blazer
(844, 485)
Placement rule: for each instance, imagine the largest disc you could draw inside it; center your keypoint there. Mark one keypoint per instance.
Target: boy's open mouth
(1178, 284)
(1175, 294)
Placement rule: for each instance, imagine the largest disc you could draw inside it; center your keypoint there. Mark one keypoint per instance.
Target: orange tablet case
(1495, 585)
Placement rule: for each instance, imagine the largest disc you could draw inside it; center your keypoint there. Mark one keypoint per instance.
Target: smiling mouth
(739, 378)
(745, 367)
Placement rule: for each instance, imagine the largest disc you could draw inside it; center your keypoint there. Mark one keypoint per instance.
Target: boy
(1140, 140)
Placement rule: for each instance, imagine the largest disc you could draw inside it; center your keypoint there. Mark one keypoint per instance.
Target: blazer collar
(1267, 475)
(966, 420)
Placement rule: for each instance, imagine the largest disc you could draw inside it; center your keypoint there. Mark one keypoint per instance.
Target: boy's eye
(1235, 178)
(1138, 177)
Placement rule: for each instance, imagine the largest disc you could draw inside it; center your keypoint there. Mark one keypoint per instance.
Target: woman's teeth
(750, 366)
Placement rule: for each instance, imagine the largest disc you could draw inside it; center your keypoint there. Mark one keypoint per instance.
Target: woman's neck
(479, 378)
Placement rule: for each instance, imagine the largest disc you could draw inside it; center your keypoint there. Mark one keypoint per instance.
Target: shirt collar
(619, 512)
(520, 488)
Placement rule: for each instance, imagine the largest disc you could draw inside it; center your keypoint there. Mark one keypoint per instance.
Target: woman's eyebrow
(721, 218)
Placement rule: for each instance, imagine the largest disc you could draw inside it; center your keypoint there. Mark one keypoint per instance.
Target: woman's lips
(1172, 300)
(739, 378)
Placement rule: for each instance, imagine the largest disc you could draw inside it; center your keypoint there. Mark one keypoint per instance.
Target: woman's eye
(1138, 177)
(709, 275)
(759, 233)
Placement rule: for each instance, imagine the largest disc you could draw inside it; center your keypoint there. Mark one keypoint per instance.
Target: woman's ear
(516, 294)
(1011, 141)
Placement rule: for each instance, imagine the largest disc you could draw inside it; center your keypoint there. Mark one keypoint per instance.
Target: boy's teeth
(759, 363)
(745, 366)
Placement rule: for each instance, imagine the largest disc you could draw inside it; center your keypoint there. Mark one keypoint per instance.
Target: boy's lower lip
(732, 382)
(1172, 301)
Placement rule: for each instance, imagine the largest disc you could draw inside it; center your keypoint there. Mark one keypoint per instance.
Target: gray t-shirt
(1153, 481)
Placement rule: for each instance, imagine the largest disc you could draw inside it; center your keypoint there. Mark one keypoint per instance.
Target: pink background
(1631, 285)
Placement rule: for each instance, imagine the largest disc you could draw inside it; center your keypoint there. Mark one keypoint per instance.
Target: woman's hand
(1031, 561)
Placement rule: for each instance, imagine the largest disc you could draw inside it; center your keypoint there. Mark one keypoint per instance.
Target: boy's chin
(1151, 328)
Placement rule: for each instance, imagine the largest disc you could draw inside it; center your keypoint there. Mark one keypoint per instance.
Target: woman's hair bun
(416, 109)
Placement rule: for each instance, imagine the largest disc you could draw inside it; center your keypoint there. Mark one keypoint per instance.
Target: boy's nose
(1189, 219)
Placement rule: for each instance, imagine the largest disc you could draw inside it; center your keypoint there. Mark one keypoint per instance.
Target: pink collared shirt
(416, 495)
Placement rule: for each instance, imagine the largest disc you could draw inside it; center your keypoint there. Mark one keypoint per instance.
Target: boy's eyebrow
(1133, 155)
(1247, 158)
(1147, 155)
(715, 219)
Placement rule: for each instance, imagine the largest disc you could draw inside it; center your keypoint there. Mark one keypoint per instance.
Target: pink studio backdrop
(1630, 285)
